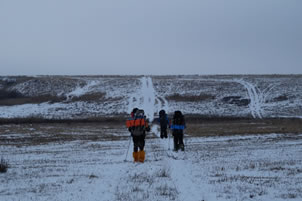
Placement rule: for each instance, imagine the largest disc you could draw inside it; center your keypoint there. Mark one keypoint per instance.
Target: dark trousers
(178, 140)
(138, 142)
(163, 133)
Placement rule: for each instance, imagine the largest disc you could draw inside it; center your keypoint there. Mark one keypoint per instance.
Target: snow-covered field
(95, 164)
(257, 96)
(94, 161)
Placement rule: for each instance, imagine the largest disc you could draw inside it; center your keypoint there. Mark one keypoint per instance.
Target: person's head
(177, 113)
(134, 111)
(162, 112)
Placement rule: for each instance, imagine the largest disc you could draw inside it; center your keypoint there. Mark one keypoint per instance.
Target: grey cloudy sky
(150, 37)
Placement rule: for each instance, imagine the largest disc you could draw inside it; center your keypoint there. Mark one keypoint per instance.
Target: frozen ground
(71, 97)
(94, 165)
(94, 161)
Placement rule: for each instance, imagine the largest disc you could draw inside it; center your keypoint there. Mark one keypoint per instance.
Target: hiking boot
(135, 156)
(175, 148)
(182, 147)
(141, 156)
(161, 136)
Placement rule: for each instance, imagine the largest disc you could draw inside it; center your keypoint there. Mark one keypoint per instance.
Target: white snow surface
(257, 167)
(266, 167)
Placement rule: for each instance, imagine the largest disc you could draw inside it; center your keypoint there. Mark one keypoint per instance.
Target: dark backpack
(139, 114)
(139, 123)
(163, 120)
(178, 118)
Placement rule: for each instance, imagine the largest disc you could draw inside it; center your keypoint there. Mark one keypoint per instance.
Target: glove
(148, 129)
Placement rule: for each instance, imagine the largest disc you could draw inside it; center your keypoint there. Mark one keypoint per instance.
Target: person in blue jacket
(178, 125)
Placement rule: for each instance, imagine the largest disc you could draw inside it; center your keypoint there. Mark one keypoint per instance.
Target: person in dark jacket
(164, 123)
(178, 125)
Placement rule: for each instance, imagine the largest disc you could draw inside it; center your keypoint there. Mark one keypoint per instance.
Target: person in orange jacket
(137, 125)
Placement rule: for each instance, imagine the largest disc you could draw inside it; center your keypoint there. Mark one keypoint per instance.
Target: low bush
(4, 94)
(3, 165)
(236, 100)
(281, 98)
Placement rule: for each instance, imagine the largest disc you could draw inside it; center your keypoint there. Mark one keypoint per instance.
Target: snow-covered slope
(92, 96)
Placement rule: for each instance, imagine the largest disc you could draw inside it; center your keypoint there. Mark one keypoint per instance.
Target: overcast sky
(73, 37)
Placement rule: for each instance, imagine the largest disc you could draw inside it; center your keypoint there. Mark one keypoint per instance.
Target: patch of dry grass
(117, 119)
(31, 100)
(233, 126)
(44, 133)
(190, 98)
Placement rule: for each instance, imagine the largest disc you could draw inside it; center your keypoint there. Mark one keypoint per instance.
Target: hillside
(80, 97)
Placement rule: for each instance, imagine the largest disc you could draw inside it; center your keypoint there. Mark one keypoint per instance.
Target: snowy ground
(257, 167)
(94, 162)
(83, 162)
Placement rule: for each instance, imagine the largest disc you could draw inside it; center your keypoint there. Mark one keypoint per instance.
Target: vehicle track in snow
(147, 99)
(181, 181)
(255, 97)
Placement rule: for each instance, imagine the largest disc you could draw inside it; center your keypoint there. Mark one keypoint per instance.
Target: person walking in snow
(137, 125)
(164, 123)
(177, 126)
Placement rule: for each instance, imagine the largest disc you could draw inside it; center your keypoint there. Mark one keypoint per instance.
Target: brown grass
(44, 133)
(118, 119)
(232, 126)
(113, 128)
(190, 98)
(31, 100)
